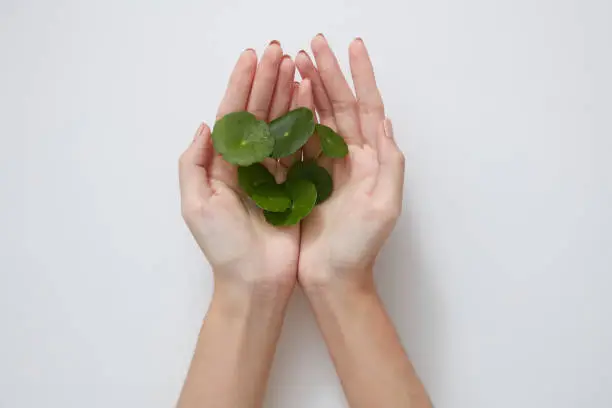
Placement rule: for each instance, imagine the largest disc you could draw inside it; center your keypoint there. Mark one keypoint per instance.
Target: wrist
(255, 277)
(327, 281)
(342, 300)
(241, 299)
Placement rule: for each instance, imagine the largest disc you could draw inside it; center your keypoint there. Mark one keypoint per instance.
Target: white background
(498, 275)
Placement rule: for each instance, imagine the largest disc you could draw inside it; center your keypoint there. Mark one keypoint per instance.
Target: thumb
(390, 182)
(193, 167)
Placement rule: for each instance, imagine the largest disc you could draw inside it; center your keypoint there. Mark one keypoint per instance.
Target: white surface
(498, 276)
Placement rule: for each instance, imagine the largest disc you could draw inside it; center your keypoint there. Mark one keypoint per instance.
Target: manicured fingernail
(274, 42)
(303, 53)
(322, 36)
(388, 128)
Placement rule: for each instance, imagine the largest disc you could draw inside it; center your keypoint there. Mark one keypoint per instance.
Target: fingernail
(322, 36)
(274, 42)
(198, 132)
(388, 128)
(359, 39)
(249, 50)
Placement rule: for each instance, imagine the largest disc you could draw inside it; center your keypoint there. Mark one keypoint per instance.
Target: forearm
(234, 352)
(369, 358)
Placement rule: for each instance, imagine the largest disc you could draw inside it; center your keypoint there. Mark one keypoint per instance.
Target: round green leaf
(276, 218)
(304, 197)
(333, 144)
(250, 177)
(291, 131)
(311, 171)
(271, 197)
(242, 139)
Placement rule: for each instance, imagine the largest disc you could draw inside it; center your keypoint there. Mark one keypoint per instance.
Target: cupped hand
(235, 238)
(342, 237)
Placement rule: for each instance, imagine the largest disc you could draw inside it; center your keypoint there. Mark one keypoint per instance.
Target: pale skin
(256, 266)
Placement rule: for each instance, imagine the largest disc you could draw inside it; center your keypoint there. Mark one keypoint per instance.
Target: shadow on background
(414, 304)
(303, 372)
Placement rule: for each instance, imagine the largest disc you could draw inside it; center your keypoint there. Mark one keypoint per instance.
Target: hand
(342, 237)
(239, 244)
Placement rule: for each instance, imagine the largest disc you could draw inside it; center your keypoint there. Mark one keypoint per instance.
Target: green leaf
(333, 144)
(250, 177)
(291, 131)
(311, 171)
(242, 139)
(276, 218)
(304, 196)
(271, 197)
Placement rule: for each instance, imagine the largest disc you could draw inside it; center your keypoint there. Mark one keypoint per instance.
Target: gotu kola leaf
(271, 197)
(250, 177)
(291, 131)
(311, 171)
(259, 184)
(332, 144)
(304, 197)
(242, 139)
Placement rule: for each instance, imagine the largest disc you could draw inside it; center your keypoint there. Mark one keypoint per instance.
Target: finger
(294, 95)
(235, 99)
(223, 171)
(276, 167)
(193, 168)
(336, 167)
(239, 84)
(302, 97)
(312, 151)
(265, 80)
(325, 113)
(369, 101)
(322, 103)
(342, 99)
(390, 180)
(283, 92)
(279, 167)
(312, 148)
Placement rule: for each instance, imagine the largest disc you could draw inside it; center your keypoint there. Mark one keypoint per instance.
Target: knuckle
(183, 159)
(325, 114)
(400, 158)
(379, 208)
(325, 70)
(370, 109)
(344, 105)
(386, 211)
(259, 112)
(191, 209)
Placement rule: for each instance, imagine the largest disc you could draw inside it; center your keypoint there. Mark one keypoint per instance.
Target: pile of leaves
(245, 141)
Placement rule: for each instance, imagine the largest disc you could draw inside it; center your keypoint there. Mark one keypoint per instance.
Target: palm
(248, 241)
(333, 234)
(233, 233)
(346, 232)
